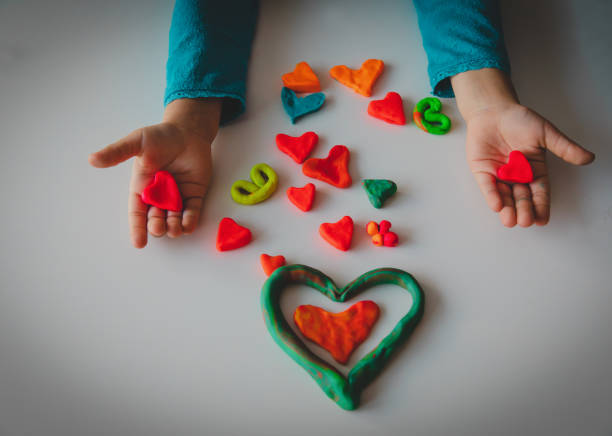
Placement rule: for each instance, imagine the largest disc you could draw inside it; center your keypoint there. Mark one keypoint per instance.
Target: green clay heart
(345, 391)
(379, 190)
(244, 192)
(428, 117)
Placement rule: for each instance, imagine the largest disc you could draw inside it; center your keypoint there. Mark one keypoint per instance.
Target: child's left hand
(498, 124)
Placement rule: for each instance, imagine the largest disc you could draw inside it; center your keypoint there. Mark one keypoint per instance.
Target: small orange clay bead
(377, 239)
(372, 228)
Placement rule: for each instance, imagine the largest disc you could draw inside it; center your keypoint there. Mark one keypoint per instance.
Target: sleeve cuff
(233, 105)
(440, 79)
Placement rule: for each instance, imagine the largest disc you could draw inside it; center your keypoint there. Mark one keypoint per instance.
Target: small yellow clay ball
(377, 239)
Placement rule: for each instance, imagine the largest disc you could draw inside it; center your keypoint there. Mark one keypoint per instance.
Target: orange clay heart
(271, 263)
(339, 333)
(361, 80)
(302, 79)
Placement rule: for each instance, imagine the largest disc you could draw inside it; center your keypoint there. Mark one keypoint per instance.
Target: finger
(507, 215)
(173, 224)
(191, 214)
(137, 217)
(523, 204)
(488, 187)
(119, 151)
(156, 222)
(540, 193)
(565, 148)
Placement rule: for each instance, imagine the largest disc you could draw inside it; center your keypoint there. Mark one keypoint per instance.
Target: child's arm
(467, 59)
(209, 48)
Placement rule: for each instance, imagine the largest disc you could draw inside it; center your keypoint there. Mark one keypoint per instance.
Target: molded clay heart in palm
(345, 391)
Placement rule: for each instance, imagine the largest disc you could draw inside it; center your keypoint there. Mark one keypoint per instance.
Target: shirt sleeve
(458, 36)
(209, 48)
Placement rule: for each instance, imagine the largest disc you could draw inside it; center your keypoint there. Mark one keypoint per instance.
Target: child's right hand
(181, 145)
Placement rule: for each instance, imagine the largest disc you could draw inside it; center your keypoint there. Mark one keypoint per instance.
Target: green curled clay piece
(264, 184)
(428, 117)
(345, 391)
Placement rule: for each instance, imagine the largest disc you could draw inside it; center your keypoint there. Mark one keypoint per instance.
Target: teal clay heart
(345, 391)
(297, 107)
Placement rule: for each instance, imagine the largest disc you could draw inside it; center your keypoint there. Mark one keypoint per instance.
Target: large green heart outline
(345, 391)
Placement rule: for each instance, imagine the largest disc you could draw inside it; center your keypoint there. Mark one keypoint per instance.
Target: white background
(98, 338)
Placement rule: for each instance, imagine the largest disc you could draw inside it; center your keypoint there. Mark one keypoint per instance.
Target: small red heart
(338, 234)
(517, 170)
(298, 147)
(270, 263)
(302, 197)
(333, 169)
(163, 192)
(231, 235)
(390, 109)
(339, 333)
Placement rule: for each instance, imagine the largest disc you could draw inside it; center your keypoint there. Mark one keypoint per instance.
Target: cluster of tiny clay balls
(163, 191)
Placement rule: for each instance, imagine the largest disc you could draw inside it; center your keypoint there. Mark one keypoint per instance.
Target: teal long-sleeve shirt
(210, 45)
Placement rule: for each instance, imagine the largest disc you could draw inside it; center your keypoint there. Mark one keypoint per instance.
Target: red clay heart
(298, 147)
(163, 192)
(339, 333)
(517, 170)
(333, 169)
(270, 263)
(338, 234)
(302, 197)
(231, 235)
(390, 109)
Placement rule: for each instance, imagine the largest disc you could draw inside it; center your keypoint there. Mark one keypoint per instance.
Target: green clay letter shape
(428, 117)
(345, 391)
(264, 184)
(379, 190)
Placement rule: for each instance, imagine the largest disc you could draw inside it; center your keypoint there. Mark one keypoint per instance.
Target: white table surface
(98, 338)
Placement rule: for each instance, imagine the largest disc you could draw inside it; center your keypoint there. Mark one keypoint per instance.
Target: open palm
(165, 146)
(491, 135)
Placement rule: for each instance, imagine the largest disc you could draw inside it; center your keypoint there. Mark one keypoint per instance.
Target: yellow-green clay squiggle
(260, 189)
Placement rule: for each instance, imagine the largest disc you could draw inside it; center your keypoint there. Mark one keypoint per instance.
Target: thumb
(119, 151)
(565, 148)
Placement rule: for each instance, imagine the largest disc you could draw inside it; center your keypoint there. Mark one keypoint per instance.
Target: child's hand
(498, 124)
(181, 144)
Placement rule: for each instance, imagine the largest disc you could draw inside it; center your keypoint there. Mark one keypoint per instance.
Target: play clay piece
(372, 228)
(361, 80)
(163, 192)
(339, 333)
(381, 235)
(390, 109)
(384, 226)
(333, 169)
(428, 117)
(297, 147)
(231, 235)
(344, 391)
(517, 170)
(302, 197)
(338, 234)
(270, 263)
(264, 184)
(302, 79)
(390, 239)
(378, 239)
(297, 107)
(379, 190)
